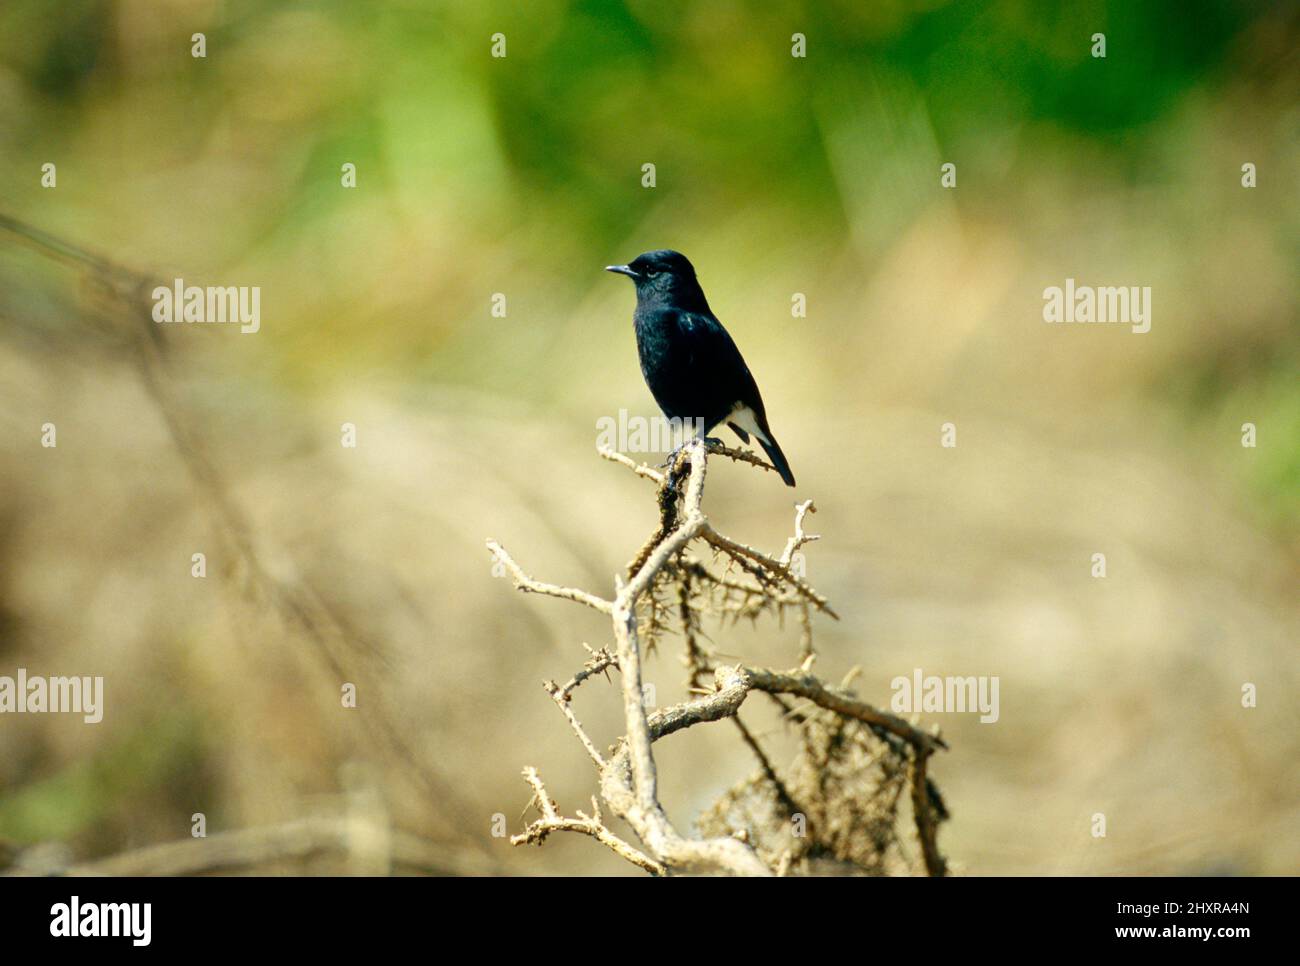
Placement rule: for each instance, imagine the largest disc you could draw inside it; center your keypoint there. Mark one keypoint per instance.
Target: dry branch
(628, 780)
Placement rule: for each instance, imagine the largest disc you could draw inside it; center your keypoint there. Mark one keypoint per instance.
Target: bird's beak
(622, 270)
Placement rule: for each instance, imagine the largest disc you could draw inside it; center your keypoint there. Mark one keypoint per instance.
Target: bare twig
(924, 812)
(735, 549)
(601, 660)
(593, 825)
(640, 469)
(810, 687)
(799, 538)
(529, 586)
(628, 776)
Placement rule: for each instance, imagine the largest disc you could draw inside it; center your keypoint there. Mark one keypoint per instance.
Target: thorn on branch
(663, 571)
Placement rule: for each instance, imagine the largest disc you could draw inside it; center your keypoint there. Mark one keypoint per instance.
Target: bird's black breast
(692, 366)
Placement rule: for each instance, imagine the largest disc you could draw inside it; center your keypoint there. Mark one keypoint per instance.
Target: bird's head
(662, 274)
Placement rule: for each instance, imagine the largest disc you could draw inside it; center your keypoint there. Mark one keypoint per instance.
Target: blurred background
(522, 176)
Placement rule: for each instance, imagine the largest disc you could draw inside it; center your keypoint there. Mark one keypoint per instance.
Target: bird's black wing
(719, 374)
(731, 389)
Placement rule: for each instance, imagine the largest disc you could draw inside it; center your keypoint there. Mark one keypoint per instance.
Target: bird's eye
(651, 274)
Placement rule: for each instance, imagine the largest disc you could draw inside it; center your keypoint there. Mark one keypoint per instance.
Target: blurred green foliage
(529, 166)
(153, 769)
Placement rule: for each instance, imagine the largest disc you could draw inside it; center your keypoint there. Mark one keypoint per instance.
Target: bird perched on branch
(693, 369)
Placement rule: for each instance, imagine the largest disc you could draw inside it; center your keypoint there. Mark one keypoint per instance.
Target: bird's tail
(774, 453)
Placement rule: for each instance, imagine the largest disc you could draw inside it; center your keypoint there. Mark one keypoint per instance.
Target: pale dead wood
(529, 586)
(628, 779)
(593, 825)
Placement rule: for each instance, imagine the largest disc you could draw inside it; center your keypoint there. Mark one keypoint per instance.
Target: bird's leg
(672, 463)
(672, 457)
(677, 467)
(686, 439)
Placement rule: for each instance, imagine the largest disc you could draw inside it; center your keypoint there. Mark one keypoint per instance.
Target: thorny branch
(748, 584)
(593, 825)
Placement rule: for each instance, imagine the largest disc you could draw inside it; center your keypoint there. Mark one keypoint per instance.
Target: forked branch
(750, 582)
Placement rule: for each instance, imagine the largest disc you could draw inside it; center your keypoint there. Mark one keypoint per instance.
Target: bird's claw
(672, 457)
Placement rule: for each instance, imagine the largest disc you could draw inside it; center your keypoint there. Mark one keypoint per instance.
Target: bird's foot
(674, 464)
(671, 461)
(709, 442)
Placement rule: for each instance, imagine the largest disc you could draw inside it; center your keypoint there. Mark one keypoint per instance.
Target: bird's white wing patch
(744, 417)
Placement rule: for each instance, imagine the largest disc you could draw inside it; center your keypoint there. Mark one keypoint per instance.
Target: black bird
(692, 367)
